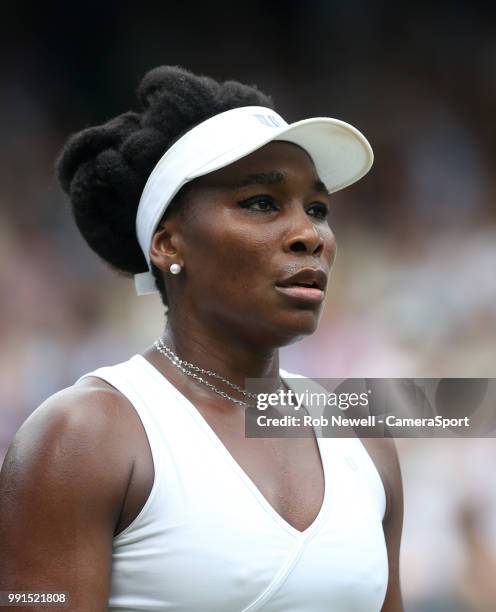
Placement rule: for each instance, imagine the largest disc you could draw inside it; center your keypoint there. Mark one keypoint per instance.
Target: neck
(232, 358)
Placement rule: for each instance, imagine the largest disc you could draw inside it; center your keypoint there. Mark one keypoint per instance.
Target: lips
(308, 277)
(308, 284)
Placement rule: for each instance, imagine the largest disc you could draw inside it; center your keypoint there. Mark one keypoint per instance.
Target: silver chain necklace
(194, 371)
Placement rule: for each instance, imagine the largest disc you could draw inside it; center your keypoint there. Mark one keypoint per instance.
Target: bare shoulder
(90, 426)
(89, 415)
(83, 428)
(384, 454)
(62, 487)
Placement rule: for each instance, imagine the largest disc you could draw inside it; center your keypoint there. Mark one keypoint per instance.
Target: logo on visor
(268, 120)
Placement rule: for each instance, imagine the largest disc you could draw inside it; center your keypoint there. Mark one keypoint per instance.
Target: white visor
(341, 155)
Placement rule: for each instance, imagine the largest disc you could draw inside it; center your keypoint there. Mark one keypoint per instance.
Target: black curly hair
(103, 169)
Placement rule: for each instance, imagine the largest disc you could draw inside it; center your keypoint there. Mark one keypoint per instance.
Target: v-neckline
(249, 483)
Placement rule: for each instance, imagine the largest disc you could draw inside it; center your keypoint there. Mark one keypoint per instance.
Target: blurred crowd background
(413, 291)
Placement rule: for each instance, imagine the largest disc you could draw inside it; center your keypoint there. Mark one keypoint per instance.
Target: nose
(304, 236)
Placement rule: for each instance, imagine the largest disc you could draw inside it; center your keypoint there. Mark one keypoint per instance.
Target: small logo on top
(268, 120)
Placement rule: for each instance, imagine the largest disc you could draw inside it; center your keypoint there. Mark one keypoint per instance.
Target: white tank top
(208, 540)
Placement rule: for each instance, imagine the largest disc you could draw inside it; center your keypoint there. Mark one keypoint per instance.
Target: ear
(165, 247)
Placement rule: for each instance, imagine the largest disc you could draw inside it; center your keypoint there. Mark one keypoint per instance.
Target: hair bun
(90, 142)
(104, 168)
(163, 80)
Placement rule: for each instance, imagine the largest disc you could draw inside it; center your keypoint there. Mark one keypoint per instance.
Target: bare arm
(62, 486)
(393, 524)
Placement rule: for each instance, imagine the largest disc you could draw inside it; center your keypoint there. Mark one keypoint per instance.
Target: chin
(282, 327)
(296, 326)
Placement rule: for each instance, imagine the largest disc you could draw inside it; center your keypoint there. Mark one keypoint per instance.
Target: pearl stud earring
(175, 268)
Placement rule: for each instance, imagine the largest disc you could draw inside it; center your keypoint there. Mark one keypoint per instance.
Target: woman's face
(249, 228)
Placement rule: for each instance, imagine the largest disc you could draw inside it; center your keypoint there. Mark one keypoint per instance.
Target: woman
(136, 488)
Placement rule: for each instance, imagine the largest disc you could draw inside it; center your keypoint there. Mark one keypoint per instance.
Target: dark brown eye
(321, 211)
(259, 204)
